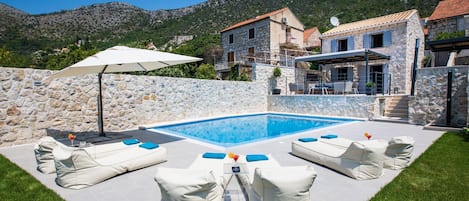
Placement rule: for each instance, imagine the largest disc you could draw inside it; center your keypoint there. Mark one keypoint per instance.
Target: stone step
(397, 110)
(396, 114)
(398, 103)
(392, 101)
(393, 120)
(399, 106)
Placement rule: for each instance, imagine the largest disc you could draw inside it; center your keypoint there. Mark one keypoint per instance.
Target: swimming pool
(237, 130)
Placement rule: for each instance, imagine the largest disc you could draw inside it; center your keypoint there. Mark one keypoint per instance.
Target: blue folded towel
(256, 157)
(308, 139)
(214, 155)
(130, 141)
(329, 136)
(149, 145)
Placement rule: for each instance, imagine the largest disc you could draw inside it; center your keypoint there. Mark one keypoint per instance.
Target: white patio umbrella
(121, 59)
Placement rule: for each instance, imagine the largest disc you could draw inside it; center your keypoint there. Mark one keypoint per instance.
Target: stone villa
(273, 38)
(380, 50)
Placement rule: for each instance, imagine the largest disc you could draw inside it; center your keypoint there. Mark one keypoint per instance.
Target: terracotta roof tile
(450, 8)
(257, 18)
(372, 22)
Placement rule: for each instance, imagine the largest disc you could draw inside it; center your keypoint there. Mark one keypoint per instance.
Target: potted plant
(276, 73)
(370, 88)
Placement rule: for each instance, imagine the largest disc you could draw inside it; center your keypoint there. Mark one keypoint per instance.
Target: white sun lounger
(79, 168)
(204, 180)
(45, 159)
(361, 160)
(397, 155)
(267, 180)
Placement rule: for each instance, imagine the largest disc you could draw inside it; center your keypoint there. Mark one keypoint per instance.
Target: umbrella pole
(100, 107)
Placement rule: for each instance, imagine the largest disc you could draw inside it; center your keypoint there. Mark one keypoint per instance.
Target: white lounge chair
(78, 168)
(203, 180)
(398, 151)
(361, 160)
(45, 159)
(267, 180)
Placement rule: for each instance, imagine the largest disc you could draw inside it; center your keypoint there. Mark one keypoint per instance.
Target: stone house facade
(262, 37)
(449, 16)
(392, 36)
(311, 38)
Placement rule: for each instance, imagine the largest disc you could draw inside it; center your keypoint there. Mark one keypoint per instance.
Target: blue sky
(48, 6)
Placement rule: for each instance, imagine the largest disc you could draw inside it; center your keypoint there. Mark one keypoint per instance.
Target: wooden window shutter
(333, 45)
(350, 43)
(387, 38)
(366, 41)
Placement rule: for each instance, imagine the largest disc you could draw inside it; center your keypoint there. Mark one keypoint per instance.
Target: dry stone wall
(429, 105)
(29, 107)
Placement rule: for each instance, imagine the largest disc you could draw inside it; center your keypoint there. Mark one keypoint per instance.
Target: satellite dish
(334, 21)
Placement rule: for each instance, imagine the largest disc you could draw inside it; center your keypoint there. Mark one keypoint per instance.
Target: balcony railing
(284, 57)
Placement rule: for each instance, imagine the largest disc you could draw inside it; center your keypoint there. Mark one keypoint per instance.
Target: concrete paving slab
(329, 185)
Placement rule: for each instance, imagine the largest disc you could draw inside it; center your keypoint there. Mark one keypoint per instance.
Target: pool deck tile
(329, 185)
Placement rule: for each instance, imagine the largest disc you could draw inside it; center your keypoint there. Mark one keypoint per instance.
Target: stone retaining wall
(328, 105)
(28, 108)
(428, 106)
(262, 73)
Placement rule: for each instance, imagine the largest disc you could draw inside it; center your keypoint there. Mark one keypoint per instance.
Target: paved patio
(329, 185)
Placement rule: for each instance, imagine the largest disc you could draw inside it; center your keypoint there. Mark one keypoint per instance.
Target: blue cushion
(214, 155)
(308, 139)
(329, 136)
(149, 145)
(130, 141)
(256, 157)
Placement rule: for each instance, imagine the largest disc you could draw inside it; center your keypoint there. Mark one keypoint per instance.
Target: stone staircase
(397, 107)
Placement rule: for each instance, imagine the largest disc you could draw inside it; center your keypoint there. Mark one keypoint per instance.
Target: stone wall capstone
(27, 108)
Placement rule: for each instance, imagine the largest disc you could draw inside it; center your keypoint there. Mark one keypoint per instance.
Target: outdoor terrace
(329, 185)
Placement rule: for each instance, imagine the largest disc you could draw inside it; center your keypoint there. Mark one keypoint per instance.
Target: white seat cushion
(282, 183)
(188, 185)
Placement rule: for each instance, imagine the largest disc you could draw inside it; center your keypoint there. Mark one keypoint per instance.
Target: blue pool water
(231, 131)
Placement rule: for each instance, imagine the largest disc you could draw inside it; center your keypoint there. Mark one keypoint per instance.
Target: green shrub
(205, 71)
(370, 84)
(277, 72)
(449, 35)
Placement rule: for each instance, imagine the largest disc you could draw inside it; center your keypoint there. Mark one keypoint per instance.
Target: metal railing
(283, 57)
(380, 84)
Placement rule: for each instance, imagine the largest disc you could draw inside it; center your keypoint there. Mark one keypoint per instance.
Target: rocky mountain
(119, 23)
(110, 18)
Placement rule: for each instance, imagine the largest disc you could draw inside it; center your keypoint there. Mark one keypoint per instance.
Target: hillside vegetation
(105, 25)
